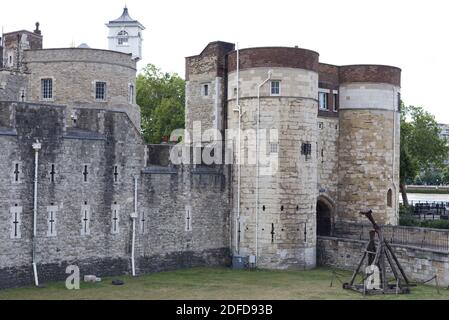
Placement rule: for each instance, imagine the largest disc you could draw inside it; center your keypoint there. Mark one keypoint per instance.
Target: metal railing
(430, 210)
(432, 239)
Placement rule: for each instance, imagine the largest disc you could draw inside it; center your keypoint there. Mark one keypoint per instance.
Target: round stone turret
(369, 142)
(279, 225)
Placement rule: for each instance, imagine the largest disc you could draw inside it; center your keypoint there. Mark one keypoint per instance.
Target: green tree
(422, 149)
(432, 176)
(161, 97)
(446, 175)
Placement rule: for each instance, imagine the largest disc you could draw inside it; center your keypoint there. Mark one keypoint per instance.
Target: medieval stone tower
(277, 92)
(317, 144)
(369, 142)
(13, 45)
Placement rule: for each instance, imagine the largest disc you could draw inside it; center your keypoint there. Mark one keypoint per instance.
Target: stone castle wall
(419, 264)
(207, 105)
(14, 45)
(13, 85)
(328, 129)
(74, 72)
(107, 143)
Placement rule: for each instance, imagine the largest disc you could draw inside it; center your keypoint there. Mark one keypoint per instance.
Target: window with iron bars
(100, 90)
(306, 150)
(47, 89)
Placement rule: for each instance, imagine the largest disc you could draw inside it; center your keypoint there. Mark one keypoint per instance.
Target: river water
(423, 197)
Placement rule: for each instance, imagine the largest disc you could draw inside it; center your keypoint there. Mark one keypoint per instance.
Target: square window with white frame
(47, 89)
(324, 100)
(100, 90)
(275, 88)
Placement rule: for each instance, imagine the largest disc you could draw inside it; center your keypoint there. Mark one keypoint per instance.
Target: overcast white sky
(412, 35)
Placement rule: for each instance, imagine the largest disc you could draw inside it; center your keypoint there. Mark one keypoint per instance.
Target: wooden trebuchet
(378, 256)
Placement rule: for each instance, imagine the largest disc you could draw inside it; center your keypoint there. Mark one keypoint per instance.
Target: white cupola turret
(125, 35)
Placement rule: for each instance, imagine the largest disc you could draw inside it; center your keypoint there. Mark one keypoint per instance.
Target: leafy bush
(435, 224)
(407, 220)
(403, 210)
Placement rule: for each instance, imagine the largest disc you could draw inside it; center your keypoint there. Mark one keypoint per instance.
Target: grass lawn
(216, 284)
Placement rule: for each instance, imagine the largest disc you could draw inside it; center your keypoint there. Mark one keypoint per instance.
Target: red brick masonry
(370, 73)
(282, 57)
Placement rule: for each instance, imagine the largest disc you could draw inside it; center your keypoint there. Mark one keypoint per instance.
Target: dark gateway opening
(324, 218)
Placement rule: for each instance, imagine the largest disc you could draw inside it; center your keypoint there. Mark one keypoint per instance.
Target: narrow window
(16, 222)
(274, 148)
(323, 100)
(16, 173)
(390, 198)
(275, 88)
(306, 150)
(115, 173)
(85, 173)
(51, 221)
(142, 222)
(47, 89)
(115, 218)
(206, 90)
(320, 125)
(131, 94)
(52, 173)
(85, 219)
(100, 91)
(335, 102)
(188, 219)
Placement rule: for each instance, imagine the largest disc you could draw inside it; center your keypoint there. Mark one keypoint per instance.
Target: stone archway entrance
(324, 212)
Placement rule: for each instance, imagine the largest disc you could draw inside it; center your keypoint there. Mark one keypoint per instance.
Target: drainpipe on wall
(395, 197)
(36, 146)
(134, 217)
(239, 178)
(257, 162)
